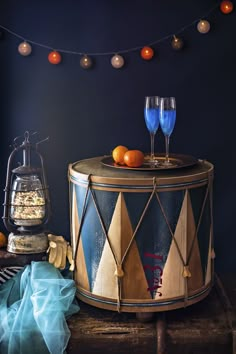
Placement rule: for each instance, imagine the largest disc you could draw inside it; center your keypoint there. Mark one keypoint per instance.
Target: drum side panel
(80, 274)
(135, 284)
(92, 235)
(193, 261)
(106, 203)
(117, 252)
(197, 196)
(202, 215)
(136, 203)
(74, 217)
(172, 203)
(105, 283)
(154, 237)
(173, 283)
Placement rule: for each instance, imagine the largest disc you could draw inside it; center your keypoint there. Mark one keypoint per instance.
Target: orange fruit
(134, 158)
(3, 240)
(118, 154)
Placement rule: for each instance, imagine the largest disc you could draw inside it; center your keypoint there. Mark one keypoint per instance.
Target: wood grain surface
(205, 327)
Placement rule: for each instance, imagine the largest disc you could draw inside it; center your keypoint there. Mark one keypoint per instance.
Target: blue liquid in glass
(167, 121)
(152, 119)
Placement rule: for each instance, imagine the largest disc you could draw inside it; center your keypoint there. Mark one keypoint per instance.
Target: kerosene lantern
(26, 204)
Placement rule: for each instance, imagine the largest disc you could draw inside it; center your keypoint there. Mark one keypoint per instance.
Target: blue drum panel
(197, 196)
(106, 202)
(92, 234)
(80, 197)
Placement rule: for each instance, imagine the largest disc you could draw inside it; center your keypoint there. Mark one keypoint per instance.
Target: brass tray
(177, 160)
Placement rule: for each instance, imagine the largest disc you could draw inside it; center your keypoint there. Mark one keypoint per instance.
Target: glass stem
(167, 142)
(152, 135)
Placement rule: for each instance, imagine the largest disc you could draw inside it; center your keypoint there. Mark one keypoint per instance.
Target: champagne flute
(167, 123)
(151, 115)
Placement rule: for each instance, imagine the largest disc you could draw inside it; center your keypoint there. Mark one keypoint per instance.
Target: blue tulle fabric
(34, 307)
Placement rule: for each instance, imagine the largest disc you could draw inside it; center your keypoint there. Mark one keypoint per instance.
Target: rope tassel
(119, 273)
(186, 272)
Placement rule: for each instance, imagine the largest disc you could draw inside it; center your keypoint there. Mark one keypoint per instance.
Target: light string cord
(122, 51)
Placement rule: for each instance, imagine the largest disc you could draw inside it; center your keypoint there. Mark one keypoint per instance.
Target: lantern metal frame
(26, 238)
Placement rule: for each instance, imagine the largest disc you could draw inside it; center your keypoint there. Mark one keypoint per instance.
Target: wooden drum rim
(134, 182)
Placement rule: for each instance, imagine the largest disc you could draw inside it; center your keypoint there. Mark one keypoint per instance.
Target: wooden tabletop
(208, 326)
(205, 327)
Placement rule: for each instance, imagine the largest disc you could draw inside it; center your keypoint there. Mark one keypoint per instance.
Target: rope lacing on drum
(208, 192)
(199, 223)
(166, 220)
(119, 272)
(186, 271)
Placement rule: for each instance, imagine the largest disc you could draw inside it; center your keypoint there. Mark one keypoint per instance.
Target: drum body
(142, 241)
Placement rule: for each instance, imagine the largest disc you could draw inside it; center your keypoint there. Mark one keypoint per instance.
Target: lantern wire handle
(26, 135)
(41, 141)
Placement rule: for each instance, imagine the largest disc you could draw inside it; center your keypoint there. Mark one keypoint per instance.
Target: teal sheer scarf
(34, 306)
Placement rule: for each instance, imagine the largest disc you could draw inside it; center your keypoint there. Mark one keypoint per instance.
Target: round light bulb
(117, 61)
(226, 7)
(54, 57)
(177, 43)
(147, 53)
(86, 62)
(203, 26)
(24, 48)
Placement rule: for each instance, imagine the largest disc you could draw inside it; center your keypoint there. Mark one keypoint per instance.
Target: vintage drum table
(142, 238)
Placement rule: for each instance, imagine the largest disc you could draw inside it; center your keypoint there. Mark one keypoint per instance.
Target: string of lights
(117, 60)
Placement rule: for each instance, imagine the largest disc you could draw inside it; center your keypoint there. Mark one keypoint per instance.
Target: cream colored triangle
(106, 283)
(209, 262)
(133, 283)
(173, 282)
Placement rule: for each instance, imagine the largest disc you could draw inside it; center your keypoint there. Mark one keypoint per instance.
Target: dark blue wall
(88, 113)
